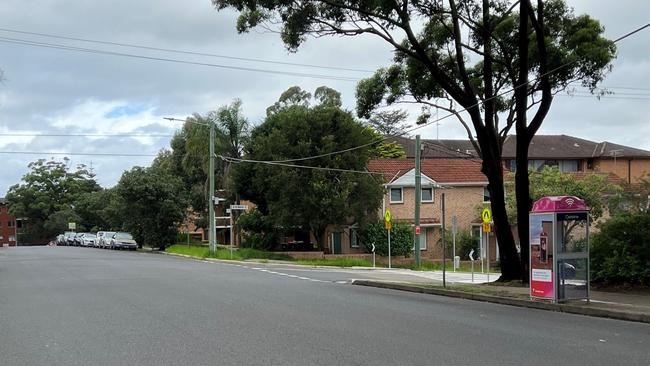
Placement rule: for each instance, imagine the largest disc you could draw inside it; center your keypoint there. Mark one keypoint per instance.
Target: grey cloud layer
(45, 86)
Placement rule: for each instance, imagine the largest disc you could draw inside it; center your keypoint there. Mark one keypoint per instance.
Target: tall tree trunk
(524, 204)
(509, 259)
(321, 238)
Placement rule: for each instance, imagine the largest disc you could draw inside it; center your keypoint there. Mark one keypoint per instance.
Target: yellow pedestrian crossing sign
(486, 215)
(387, 217)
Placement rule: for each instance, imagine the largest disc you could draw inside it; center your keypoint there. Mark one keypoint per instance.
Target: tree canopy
(472, 58)
(309, 199)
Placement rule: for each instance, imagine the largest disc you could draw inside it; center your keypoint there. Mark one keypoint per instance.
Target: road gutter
(587, 310)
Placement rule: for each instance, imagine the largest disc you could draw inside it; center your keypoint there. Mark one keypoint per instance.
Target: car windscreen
(123, 236)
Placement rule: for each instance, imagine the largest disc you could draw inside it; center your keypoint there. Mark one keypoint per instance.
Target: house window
(427, 194)
(354, 238)
(12, 238)
(396, 195)
(569, 165)
(486, 194)
(511, 165)
(10, 224)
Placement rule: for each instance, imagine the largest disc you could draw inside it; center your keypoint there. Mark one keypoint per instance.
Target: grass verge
(202, 251)
(337, 262)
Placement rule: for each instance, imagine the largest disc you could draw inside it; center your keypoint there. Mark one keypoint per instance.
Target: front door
(336, 243)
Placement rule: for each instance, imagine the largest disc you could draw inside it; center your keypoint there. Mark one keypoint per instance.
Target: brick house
(465, 189)
(568, 153)
(8, 225)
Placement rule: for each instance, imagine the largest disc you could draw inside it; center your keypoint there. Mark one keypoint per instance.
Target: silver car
(122, 240)
(103, 239)
(88, 239)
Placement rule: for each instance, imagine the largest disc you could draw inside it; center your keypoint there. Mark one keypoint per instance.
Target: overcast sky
(54, 91)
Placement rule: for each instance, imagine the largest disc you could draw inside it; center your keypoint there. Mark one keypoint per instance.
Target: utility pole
(418, 198)
(213, 229)
(444, 245)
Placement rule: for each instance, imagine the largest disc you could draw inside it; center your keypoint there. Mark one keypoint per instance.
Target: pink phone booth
(559, 249)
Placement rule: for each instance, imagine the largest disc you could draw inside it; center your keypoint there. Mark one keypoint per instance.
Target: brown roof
(610, 177)
(541, 147)
(440, 170)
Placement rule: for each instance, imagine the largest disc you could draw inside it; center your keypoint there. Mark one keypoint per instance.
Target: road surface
(84, 306)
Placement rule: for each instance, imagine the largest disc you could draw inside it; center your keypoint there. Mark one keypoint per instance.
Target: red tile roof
(440, 170)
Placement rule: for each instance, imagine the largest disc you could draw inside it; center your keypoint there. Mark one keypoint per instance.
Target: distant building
(570, 154)
(8, 225)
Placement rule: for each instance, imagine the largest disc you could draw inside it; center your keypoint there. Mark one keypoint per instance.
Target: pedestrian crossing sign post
(387, 223)
(487, 227)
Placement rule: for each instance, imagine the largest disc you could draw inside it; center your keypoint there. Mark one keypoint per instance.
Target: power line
(276, 163)
(183, 52)
(25, 42)
(81, 135)
(75, 154)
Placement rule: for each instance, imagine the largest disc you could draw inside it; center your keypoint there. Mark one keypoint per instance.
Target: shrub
(401, 238)
(258, 232)
(620, 252)
(465, 242)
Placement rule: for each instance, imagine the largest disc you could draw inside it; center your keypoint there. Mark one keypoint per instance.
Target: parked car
(88, 239)
(78, 239)
(104, 239)
(59, 239)
(122, 240)
(69, 237)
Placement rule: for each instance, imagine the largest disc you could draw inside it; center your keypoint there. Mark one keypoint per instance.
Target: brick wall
(7, 229)
(626, 169)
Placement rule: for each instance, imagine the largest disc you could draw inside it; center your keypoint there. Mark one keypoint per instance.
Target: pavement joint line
(634, 316)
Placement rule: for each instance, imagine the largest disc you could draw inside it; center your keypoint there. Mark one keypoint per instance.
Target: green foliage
(465, 243)
(150, 206)
(633, 198)
(306, 198)
(593, 188)
(392, 123)
(258, 230)
(620, 252)
(401, 238)
(49, 187)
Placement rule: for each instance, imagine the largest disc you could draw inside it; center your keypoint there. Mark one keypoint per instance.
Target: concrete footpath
(615, 305)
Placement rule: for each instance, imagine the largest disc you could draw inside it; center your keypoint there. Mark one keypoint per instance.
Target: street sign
(387, 216)
(238, 207)
(471, 255)
(417, 230)
(72, 225)
(487, 228)
(486, 215)
(373, 248)
(388, 225)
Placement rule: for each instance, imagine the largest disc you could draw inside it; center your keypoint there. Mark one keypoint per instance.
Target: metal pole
(444, 251)
(213, 231)
(232, 233)
(389, 266)
(418, 198)
(453, 238)
(16, 230)
(487, 255)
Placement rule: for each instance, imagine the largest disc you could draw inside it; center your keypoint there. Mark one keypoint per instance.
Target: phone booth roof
(559, 204)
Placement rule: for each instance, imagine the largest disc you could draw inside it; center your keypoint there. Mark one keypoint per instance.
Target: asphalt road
(82, 306)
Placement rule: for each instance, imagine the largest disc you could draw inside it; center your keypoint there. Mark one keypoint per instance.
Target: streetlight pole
(212, 230)
(418, 199)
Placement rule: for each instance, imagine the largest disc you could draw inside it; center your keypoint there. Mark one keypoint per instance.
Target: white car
(88, 239)
(122, 240)
(103, 239)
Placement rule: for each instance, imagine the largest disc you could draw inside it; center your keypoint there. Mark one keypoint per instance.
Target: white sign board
(72, 225)
(238, 207)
